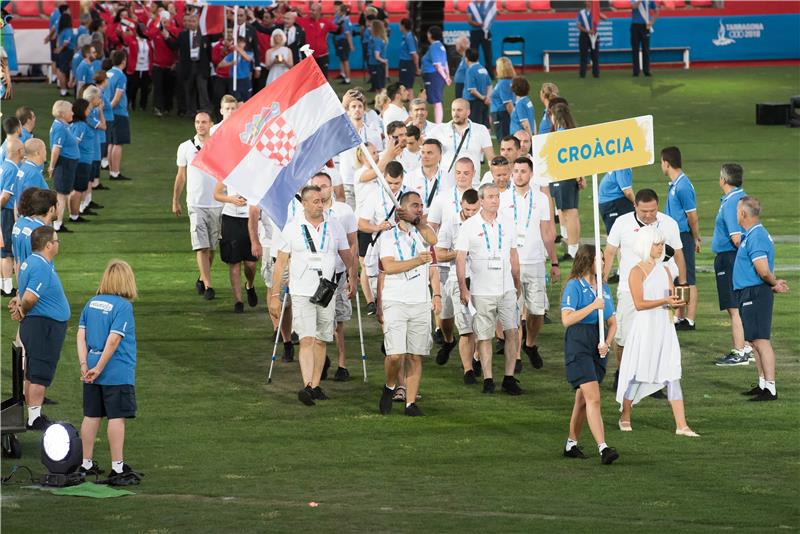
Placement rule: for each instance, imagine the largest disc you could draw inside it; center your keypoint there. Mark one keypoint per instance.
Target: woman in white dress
(278, 58)
(652, 357)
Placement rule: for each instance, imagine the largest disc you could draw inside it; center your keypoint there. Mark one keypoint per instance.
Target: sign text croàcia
(594, 149)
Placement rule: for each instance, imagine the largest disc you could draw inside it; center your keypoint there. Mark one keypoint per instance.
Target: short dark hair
(42, 200)
(470, 196)
(394, 126)
(520, 86)
(392, 89)
(732, 173)
(524, 161)
(118, 57)
(308, 189)
(41, 237)
(472, 55)
(11, 125)
(407, 195)
(672, 155)
(406, 23)
(323, 173)
(86, 50)
(106, 64)
(394, 169)
(555, 101)
(24, 114)
(432, 141)
(412, 131)
(436, 33)
(498, 160)
(645, 195)
(513, 140)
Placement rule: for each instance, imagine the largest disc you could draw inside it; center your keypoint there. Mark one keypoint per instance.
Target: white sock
(104, 163)
(33, 413)
(746, 350)
(73, 217)
(690, 321)
(770, 385)
(114, 174)
(117, 466)
(63, 92)
(56, 225)
(602, 447)
(409, 404)
(387, 387)
(87, 463)
(762, 382)
(572, 249)
(676, 320)
(7, 285)
(562, 229)
(570, 443)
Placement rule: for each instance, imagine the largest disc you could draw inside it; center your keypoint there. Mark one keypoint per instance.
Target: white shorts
(266, 265)
(310, 320)
(453, 309)
(407, 328)
(490, 310)
(625, 313)
(344, 309)
(534, 288)
(448, 305)
(205, 227)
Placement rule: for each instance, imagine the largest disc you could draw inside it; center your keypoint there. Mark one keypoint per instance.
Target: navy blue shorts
(104, 146)
(7, 215)
(82, 177)
(408, 73)
(364, 240)
(42, 338)
(95, 170)
(755, 308)
(582, 361)
(113, 402)
(64, 175)
(342, 49)
(688, 257)
(64, 60)
(244, 89)
(121, 130)
(723, 269)
(613, 209)
(565, 193)
(434, 87)
(501, 121)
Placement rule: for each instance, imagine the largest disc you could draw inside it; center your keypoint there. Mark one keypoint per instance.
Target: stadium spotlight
(62, 451)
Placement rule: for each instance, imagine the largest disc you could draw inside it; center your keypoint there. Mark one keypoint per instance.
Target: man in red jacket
(163, 33)
(316, 30)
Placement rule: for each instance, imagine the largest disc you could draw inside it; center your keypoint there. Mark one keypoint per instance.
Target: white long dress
(652, 355)
(277, 69)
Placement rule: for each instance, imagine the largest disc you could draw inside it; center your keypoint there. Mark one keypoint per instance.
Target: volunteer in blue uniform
(343, 41)
(754, 283)
(35, 156)
(585, 355)
(588, 42)
(682, 206)
(107, 357)
(434, 71)
(523, 115)
(409, 57)
(501, 102)
(10, 172)
(477, 89)
(643, 16)
(724, 243)
(43, 311)
(37, 208)
(615, 196)
(480, 16)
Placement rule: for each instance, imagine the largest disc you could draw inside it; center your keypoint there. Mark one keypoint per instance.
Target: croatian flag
(275, 142)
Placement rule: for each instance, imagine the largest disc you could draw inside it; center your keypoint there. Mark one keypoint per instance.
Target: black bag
(326, 288)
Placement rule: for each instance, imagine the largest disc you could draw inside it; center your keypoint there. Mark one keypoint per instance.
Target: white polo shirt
(489, 247)
(377, 208)
(527, 211)
(409, 287)
(623, 236)
(418, 182)
(447, 236)
(363, 190)
(447, 203)
(199, 185)
(411, 161)
(304, 266)
(346, 217)
(393, 113)
(477, 139)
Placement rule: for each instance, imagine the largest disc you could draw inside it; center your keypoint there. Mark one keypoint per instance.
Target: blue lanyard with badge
(494, 262)
(428, 200)
(315, 257)
(522, 233)
(413, 273)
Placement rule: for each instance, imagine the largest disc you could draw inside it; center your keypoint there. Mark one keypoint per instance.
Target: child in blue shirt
(522, 118)
(107, 357)
(244, 66)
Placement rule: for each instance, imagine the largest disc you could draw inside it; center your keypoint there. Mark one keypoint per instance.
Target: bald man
(15, 152)
(477, 141)
(32, 166)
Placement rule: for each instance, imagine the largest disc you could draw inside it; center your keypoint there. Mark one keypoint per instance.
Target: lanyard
(397, 244)
(499, 238)
(324, 235)
(469, 134)
(530, 206)
(383, 201)
(456, 206)
(425, 179)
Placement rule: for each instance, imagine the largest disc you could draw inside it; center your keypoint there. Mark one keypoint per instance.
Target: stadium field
(223, 451)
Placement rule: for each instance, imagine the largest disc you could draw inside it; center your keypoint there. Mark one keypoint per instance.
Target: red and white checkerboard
(278, 142)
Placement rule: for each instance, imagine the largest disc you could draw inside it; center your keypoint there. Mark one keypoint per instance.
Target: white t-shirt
(344, 215)
(417, 181)
(447, 203)
(393, 113)
(623, 236)
(233, 210)
(411, 286)
(199, 185)
(329, 238)
(531, 209)
(447, 236)
(363, 190)
(489, 247)
(478, 138)
(411, 161)
(347, 159)
(373, 120)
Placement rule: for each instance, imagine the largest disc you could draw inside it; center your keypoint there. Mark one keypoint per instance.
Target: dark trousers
(479, 112)
(261, 80)
(163, 88)
(221, 86)
(640, 38)
(195, 87)
(377, 76)
(138, 82)
(322, 61)
(585, 46)
(478, 40)
(501, 121)
(459, 88)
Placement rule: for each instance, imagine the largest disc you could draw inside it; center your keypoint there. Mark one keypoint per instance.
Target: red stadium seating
(450, 6)
(539, 5)
(701, 3)
(516, 6)
(48, 6)
(26, 9)
(621, 4)
(672, 4)
(396, 7)
(328, 8)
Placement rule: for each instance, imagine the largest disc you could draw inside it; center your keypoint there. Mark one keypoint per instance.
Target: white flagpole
(598, 263)
(235, 37)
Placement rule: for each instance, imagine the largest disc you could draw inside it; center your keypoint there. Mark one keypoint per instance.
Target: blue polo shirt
(86, 140)
(55, 18)
(681, 199)
(24, 135)
(347, 27)
(477, 78)
(435, 54)
(102, 316)
(501, 95)
(545, 126)
(376, 45)
(31, 177)
(243, 67)
(62, 136)
(461, 71)
(726, 224)
(578, 294)
(756, 244)
(636, 17)
(9, 181)
(118, 81)
(39, 276)
(93, 120)
(408, 46)
(85, 72)
(523, 109)
(612, 185)
(77, 59)
(21, 237)
(108, 113)
(66, 36)
(3, 148)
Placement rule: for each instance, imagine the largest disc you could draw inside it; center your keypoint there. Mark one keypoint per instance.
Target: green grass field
(222, 451)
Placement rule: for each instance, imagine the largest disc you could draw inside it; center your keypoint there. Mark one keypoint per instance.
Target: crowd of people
(442, 253)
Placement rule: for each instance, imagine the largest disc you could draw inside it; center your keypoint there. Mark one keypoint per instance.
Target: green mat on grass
(96, 491)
